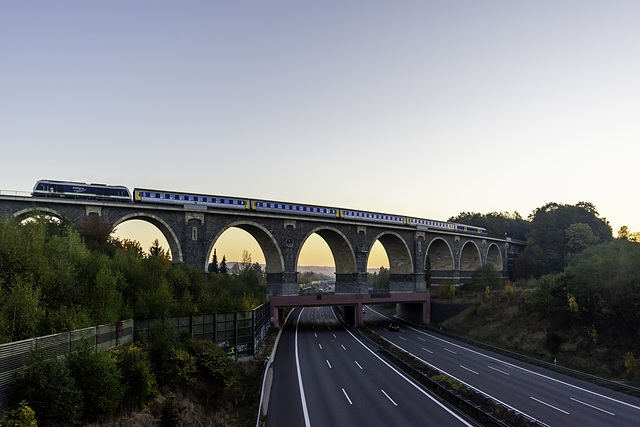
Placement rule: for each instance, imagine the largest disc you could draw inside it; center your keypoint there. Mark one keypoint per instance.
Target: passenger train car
(156, 196)
(79, 190)
(45, 188)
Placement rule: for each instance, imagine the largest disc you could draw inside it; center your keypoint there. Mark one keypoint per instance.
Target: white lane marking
(402, 338)
(428, 351)
(421, 339)
(358, 364)
(315, 334)
(320, 345)
(511, 365)
(466, 384)
(498, 370)
(328, 364)
(334, 335)
(453, 414)
(591, 406)
(347, 396)
(307, 423)
(394, 403)
(473, 372)
(343, 347)
(550, 406)
(450, 351)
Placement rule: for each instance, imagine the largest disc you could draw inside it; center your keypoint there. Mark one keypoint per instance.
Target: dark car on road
(393, 328)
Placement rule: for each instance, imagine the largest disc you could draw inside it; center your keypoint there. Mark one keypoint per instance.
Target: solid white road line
(307, 423)
(420, 389)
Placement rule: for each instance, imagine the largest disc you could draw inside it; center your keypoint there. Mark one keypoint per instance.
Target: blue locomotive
(80, 190)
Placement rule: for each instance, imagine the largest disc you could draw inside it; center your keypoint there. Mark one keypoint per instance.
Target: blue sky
(424, 108)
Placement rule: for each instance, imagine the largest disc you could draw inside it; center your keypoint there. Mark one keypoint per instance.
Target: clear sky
(424, 108)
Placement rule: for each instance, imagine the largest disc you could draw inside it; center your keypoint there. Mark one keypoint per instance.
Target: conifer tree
(213, 265)
(223, 265)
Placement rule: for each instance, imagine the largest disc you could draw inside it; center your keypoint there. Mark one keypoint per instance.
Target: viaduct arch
(449, 257)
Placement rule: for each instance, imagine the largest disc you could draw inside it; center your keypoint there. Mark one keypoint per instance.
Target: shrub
(140, 386)
(50, 390)
(22, 416)
(99, 379)
(170, 416)
(213, 363)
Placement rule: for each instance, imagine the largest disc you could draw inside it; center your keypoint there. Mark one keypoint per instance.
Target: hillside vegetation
(575, 297)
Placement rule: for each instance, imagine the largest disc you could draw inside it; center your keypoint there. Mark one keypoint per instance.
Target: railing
(14, 355)
(15, 193)
(239, 334)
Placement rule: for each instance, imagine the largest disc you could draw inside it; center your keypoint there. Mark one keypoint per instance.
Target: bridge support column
(402, 283)
(282, 284)
(351, 283)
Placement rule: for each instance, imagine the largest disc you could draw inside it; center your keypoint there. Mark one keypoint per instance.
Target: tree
(223, 265)
(624, 233)
(158, 251)
(551, 241)
(213, 265)
(579, 237)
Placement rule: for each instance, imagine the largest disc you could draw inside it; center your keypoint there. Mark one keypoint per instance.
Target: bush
(213, 363)
(22, 416)
(170, 416)
(140, 386)
(99, 379)
(50, 390)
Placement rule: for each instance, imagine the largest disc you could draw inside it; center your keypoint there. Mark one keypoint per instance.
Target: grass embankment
(510, 320)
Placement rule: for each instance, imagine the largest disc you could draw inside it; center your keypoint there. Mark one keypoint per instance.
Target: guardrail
(15, 193)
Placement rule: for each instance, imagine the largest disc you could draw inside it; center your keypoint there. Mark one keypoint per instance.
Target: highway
(325, 376)
(550, 398)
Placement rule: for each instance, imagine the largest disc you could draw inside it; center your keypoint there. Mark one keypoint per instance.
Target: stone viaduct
(415, 255)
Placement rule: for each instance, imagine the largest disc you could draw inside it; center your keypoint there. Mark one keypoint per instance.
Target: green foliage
(22, 416)
(498, 224)
(556, 234)
(448, 382)
(484, 276)
(630, 365)
(380, 280)
(213, 363)
(21, 311)
(99, 379)
(54, 279)
(50, 390)
(137, 374)
(170, 416)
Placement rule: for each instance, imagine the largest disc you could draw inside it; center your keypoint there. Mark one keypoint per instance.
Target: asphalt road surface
(324, 376)
(550, 398)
